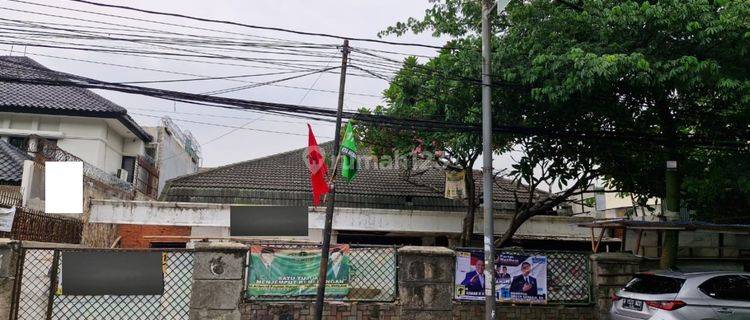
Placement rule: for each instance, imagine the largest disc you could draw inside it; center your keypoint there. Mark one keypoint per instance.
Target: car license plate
(632, 304)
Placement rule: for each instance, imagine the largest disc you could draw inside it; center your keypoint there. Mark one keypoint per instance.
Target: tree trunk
(471, 207)
(539, 208)
(670, 246)
(526, 214)
(505, 240)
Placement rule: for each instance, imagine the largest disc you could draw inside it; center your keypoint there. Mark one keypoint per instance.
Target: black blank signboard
(112, 272)
(247, 221)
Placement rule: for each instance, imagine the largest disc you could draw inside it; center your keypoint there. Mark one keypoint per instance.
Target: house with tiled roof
(73, 119)
(284, 179)
(381, 205)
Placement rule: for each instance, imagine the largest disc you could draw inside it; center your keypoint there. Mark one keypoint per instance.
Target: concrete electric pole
(489, 227)
(320, 298)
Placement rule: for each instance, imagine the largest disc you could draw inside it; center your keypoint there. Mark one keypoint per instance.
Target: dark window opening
(151, 151)
(128, 164)
(441, 241)
(18, 142)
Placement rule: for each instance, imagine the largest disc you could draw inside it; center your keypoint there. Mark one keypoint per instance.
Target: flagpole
(322, 273)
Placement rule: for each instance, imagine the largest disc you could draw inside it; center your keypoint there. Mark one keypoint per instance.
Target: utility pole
(319, 299)
(672, 206)
(489, 227)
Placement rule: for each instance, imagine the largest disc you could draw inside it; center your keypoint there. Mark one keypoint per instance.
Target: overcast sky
(354, 18)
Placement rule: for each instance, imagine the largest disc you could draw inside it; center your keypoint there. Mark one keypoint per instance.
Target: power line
(33, 35)
(262, 116)
(312, 85)
(259, 27)
(377, 120)
(209, 78)
(225, 116)
(246, 87)
(226, 45)
(130, 51)
(244, 35)
(475, 80)
(228, 90)
(198, 75)
(392, 68)
(103, 49)
(228, 126)
(360, 49)
(298, 64)
(140, 28)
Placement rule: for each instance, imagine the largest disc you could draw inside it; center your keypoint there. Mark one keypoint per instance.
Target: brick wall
(133, 235)
(99, 235)
(332, 311)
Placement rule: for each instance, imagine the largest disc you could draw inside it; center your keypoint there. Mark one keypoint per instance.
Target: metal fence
(568, 277)
(39, 226)
(36, 294)
(10, 196)
(146, 177)
(372, 274)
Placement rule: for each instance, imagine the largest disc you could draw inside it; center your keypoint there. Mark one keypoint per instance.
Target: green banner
(294, 272)
(349, 151)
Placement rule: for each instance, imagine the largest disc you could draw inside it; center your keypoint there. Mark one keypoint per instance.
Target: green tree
(442, 89)
(670, 70)
(418, 93)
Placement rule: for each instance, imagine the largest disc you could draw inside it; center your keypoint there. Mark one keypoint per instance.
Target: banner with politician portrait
(518, 277)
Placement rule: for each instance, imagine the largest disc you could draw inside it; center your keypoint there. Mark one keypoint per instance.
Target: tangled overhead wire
(46, 77)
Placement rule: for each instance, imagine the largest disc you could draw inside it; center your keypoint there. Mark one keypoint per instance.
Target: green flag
(349, 152)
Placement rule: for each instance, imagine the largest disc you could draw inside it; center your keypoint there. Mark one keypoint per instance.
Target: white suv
(684, 296)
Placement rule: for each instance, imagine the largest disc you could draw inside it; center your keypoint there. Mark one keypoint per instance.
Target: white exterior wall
(133, 147)
(112, 151)
(212, 220)
(171, 158)
(100, 142)
(610, 205)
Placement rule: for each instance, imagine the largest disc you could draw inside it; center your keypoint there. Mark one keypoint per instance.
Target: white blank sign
(63, 187)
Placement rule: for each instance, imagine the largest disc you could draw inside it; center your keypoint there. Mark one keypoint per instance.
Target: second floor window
(128, 164)
(18, 142)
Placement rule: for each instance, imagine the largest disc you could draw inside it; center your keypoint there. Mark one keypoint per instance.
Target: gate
(38, 274)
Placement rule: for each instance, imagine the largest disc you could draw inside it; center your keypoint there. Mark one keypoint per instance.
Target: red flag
(318, 169)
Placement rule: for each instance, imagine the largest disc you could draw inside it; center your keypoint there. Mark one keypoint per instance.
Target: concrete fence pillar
(425, 282)
(8, 260)
(218, 281)
(610, 272)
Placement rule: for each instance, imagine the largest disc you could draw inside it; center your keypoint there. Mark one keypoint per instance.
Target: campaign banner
(518, 277)
(278, 271)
